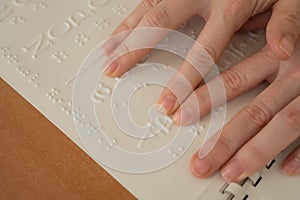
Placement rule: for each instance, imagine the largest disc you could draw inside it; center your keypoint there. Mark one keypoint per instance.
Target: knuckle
(203, 97)
(254, 150)
(258, 114)
(157, 18)
(200, 58)
(211, 51)
(234, 80)
(290, 117)
(293, 17)
(225, 145)
(152, 3)
(266, 56)
(232, 8)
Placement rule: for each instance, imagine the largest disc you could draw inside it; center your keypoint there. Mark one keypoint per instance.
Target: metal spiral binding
(235, 190)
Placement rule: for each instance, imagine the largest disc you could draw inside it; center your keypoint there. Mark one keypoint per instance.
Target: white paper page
(43, 44)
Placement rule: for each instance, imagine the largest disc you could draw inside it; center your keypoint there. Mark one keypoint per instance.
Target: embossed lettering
(164, 122)
(161, 124)
(5, 11)
(102, 93)
(21, 2)
(93, 4)
(59, 30)
(38, 46)
(78, 17)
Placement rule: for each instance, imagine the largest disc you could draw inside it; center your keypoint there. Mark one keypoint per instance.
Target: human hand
(263, 128)
(223, 18)
(284, 22)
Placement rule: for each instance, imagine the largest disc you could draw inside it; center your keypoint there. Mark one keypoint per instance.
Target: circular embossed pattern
(90, 89)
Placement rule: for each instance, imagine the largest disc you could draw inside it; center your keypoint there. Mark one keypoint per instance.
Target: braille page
(42, 46)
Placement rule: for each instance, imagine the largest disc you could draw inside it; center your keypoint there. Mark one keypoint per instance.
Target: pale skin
(271, 122)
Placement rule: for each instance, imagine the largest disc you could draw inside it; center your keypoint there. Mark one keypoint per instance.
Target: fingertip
(287, 44)
(291, 166)
(177, 117)
(233, 171)
(167, 102)
(185, 116)
(200, 168)
(111, 69)
(278, 50)
(281, 35)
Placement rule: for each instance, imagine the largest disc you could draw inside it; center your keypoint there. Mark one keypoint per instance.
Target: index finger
(163, 15)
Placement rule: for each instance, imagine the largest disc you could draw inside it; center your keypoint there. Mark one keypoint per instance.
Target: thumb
(283, 29)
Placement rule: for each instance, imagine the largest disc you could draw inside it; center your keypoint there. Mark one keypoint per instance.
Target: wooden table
(37, 161)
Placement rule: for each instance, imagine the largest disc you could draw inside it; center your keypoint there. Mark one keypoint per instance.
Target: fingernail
(183, 116)
(111, 68)
(110, 45)
(292, 167)
(167, 103)
(287, 43)
(209, 144)
(206, 148)
(200, 167)
(232, 171)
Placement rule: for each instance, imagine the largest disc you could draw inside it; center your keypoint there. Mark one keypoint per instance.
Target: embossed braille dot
(81, 39)
(119, 9)
(59, 56)
(17, 20)
(12, 58)
(3, 50)
(193, 129)
(181, 149)
(114, 141)
(39, 5)
(101, 24)
(117, 79)
(170, 151)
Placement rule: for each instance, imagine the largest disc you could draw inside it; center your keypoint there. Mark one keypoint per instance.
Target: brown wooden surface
(37, 161)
